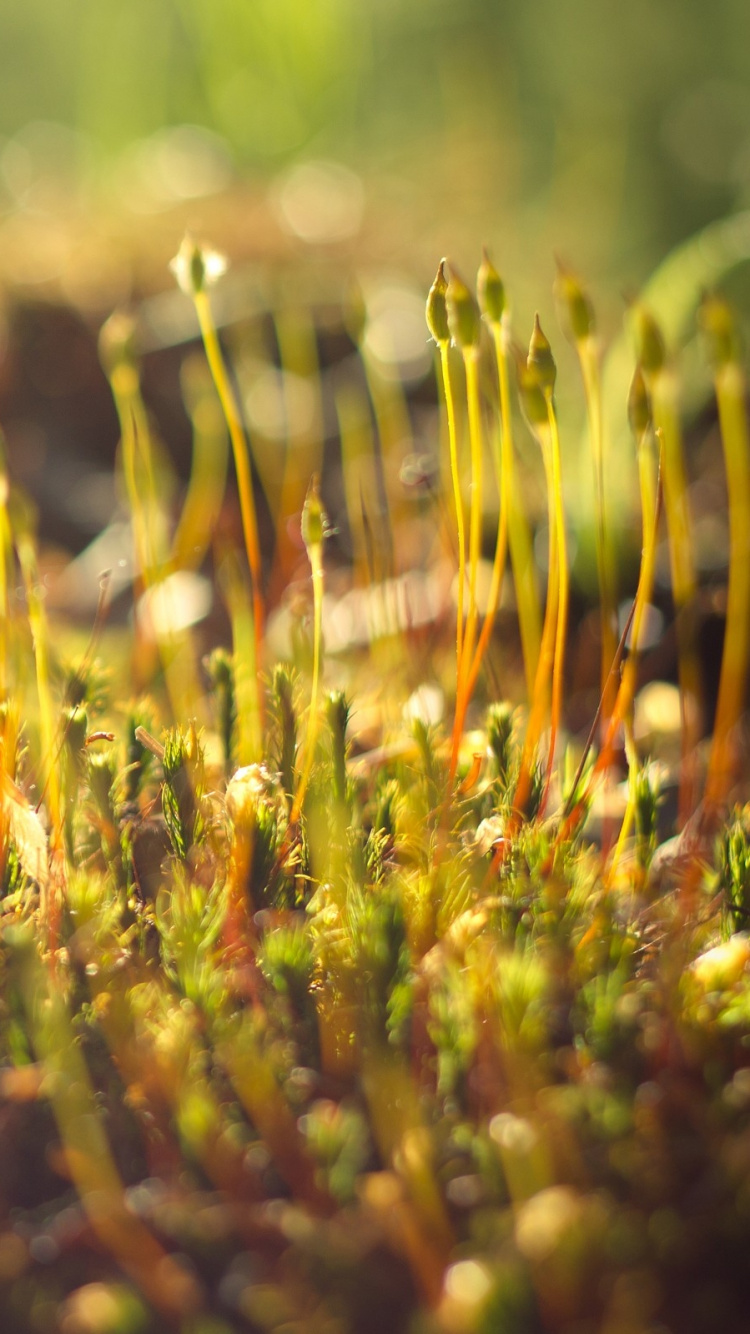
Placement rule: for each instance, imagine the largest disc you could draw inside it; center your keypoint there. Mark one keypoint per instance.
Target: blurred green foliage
(611, 130)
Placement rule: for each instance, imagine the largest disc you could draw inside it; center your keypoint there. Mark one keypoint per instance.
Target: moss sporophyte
(358, 966)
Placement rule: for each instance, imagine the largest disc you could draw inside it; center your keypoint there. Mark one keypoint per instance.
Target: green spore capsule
(436, 311)
(639, 404)
(463, 314)
(649, 341)
(576, 305)
(540, 361)
(490, 291)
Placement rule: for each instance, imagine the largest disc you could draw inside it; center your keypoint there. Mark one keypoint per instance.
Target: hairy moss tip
(463, 314)
(576, 305)
(490, 290)
(436, 312)
(717, 322)
(649, 340)
(540, 361)
(639, 404)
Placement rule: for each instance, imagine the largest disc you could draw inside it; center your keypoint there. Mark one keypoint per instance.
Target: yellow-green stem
(730, 393)
(174, 649)
(357, 466)
(677, 509)
(303, 454)
(498, 570)
(629, 815)
(391, 414)
(545, 664)
(49, 773)
(519, 537)
(208, 473)
(628, 682)
(241, 458)
(450, 410)
(563, 589)
(590, 371)
(315, 552)
(249, 732)
(471, 363)
(124, 384)
(626, 694)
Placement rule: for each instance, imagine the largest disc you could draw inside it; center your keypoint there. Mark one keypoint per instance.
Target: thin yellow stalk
(629, 815)
(40, 639)
(249, 730)
(730, 394)
(626, 692)
(463, 322)
(662, 385)
(450, 411)
(240, 451)
(641, 423)
(684, 588)
(391, 414)
(439, 326)
(591, 372)
(649, 511)
(303, 455)
(493, 600)
(563, 588)
(581, 320)
(491, 297)
(149, 539)
(208, 472)
(195, 268)
(49, 775)
(358, 472)
(123, 382)
(314, 529)
(545, 663)
(471, 364)
(537, 386)
(651, 501)
(519, 537)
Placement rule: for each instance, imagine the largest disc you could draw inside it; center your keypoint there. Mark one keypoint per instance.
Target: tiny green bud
(314, 519)
(436, 312)
(196, 267)
(718, 324)
(649, 341)
(117, 343)
(490, 290)
(540, 360)
(576, 305)
(463, 313)
(639, 404)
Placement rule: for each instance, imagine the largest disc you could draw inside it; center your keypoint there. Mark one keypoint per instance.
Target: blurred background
(604, 131)
(317, 143)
